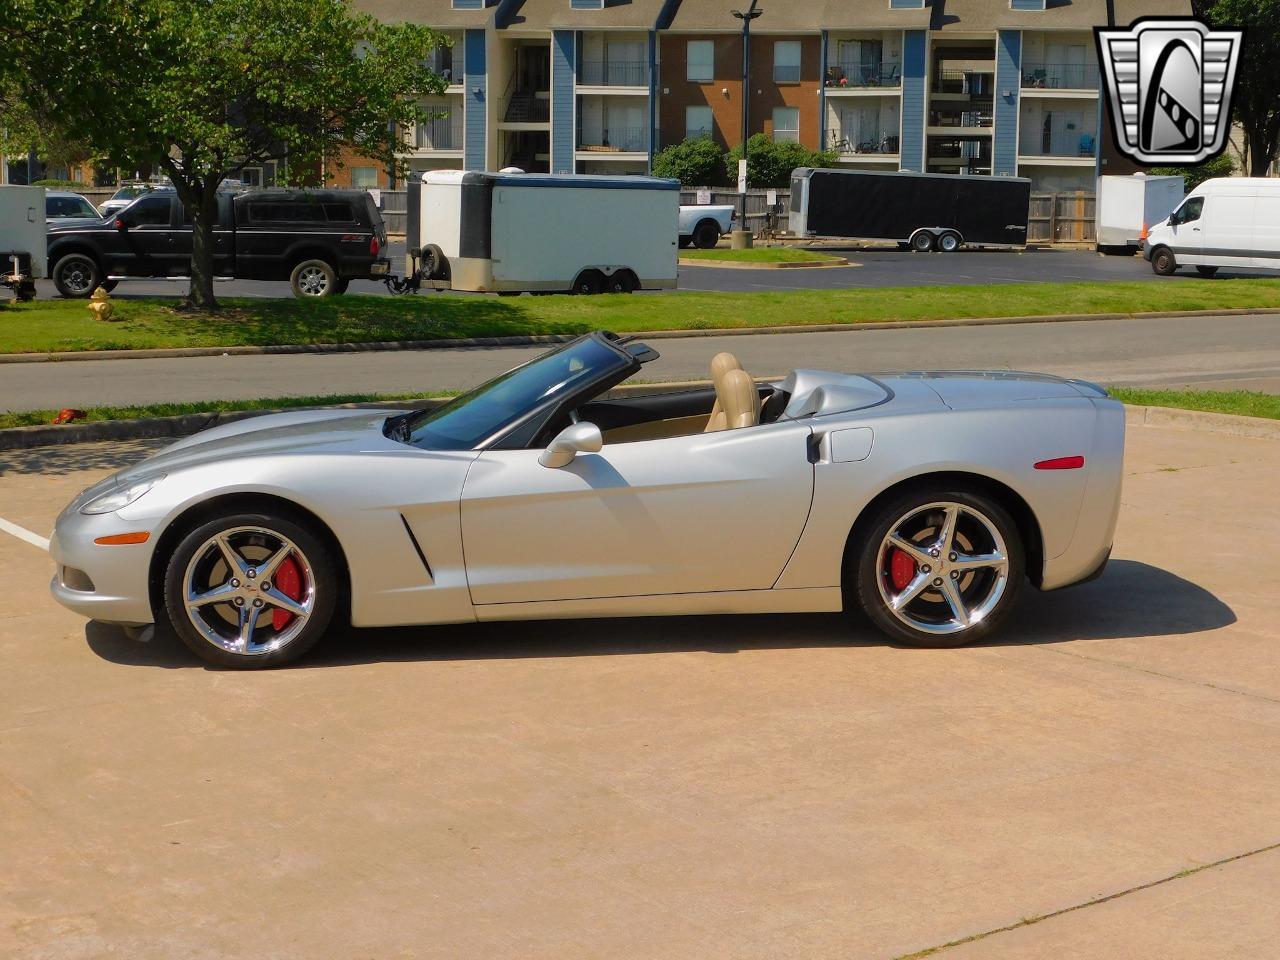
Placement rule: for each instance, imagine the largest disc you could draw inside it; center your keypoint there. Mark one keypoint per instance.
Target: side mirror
(120, 224)
(572, 440)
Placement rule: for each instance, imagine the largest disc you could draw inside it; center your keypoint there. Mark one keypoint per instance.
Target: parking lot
(712, 787)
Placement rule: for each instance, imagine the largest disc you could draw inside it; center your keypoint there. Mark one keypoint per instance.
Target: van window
(1190, 210)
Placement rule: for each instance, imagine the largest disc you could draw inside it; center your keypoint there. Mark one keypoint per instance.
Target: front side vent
(417, 548)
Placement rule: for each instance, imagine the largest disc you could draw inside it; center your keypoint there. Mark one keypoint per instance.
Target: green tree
(1256, 105)
(770, 162)
(1220, 166)
(698, 162)
(203, 88)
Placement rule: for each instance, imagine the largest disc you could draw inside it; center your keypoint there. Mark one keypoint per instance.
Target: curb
(1229, 424)
(539, 340)
(767, 264)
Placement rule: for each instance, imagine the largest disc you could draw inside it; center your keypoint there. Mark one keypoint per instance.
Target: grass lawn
(58, 325)
(759, 255)
(1244, 403)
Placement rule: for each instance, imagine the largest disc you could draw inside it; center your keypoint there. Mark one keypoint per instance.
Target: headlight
(121, 497)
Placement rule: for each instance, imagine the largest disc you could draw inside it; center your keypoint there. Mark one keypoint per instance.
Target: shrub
(698, 162)
(770, 162)
(1220, 166)
(62, 184)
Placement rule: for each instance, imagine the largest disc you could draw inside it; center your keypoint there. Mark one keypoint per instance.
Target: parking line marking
(22, 533)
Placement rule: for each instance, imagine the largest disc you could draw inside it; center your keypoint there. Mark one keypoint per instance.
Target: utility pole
(741, 238)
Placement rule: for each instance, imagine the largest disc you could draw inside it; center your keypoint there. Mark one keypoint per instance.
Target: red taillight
(1061, 463)
(373, 246)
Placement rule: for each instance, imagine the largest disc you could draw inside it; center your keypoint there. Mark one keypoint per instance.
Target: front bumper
(107, 583)
(1146, 250)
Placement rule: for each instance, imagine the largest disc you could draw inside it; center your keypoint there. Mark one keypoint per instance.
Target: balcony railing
(439, 133)
(966, 118)
(886, 143)
(614, 73)
(969, 82)
(447, 62)
(615, 140)
(1065, 144)
(853, 74)
(1060, 76)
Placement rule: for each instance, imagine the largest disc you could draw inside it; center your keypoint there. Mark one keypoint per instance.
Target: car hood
(288, 434)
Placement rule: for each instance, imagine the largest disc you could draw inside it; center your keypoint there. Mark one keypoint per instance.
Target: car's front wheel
(250, 590)
(938, 567)
(76, 275)
(1164, 262)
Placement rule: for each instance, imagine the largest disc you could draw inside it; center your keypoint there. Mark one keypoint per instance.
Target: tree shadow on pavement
(1131, 600)
(75, 457)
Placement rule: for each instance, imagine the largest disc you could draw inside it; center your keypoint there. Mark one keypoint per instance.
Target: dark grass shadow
(1133, 600)
(76, 457)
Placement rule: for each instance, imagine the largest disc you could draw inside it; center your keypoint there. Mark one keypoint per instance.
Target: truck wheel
(949, 242)
(1163, 262)
(588, 282)
(76, 275)
(340, 285)
(922, 241)
(435, 265)
(623, 281)
(706, 234)
(313, 278)
(1207, 272)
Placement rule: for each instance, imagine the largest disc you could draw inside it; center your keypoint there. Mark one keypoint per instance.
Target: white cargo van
(1228, 222)
(512, 232)
(23, 239)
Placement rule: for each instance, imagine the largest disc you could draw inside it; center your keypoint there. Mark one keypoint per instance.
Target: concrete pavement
(714, 787)
(1211, 352)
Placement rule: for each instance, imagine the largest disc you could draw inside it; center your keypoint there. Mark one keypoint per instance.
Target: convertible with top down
(925, 500)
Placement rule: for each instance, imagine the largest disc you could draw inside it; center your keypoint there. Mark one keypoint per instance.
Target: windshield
(468, 420)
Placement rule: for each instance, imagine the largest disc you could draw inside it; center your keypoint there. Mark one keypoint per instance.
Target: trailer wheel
(922, 241)
(949, 242)
(623, 281)
(588, 282)
(1163, 262)
(435, 265)
(706, 234)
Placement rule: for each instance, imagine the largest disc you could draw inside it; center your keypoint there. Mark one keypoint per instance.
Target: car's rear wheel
(1207, 272)
(76, 275)
(313, 278)
(938, 567)
(1163, 262)
(706, 234)
(250, 590)
(341, 284)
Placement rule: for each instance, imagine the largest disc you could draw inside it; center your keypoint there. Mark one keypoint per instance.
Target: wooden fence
(758, 208)
(1061, 218)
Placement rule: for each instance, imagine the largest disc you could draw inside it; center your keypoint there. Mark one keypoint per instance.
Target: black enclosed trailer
(927, 211)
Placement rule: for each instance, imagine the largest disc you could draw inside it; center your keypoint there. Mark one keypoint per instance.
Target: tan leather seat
(721, 365)
(740, 400)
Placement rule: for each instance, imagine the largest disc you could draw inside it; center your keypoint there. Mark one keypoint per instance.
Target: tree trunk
(204, 219)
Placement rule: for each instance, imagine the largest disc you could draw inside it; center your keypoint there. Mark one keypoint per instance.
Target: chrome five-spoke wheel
(938, 570)
(250, 590)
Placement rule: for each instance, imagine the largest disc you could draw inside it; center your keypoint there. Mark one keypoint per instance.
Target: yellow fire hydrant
(100, 305)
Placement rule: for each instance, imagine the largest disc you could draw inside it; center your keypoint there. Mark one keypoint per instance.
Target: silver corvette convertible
(922, 499)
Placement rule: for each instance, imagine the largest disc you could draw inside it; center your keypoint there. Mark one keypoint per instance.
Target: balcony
(886, 145)
(1061, 146)
(1060, 76)
(975, 84)
(960, 118)
(440, 133)
(448, 63)
(614, 140)
(614, 73)
(851, 75)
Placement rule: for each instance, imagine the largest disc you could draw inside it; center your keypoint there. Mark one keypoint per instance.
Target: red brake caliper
(902, 569)
(288, 582)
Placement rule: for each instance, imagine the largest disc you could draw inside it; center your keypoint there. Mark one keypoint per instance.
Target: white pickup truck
(703, 225)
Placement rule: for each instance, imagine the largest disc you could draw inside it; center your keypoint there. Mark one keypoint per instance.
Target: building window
(700, 61)
(364, 176)
(786, 61)
(698, 123)
(786, 124)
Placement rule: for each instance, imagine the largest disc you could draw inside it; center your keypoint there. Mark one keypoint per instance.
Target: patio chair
(1086, 145)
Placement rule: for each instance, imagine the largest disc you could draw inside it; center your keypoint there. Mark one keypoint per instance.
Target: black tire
(684, 241)
(109, 285)
(588, 282)
(323, 574)
(949, 242)
(622, 281)
(313, 278)
(922, 241)
(77, 275)
(1207, 272)
(866, 575)
(706, 234)
(340, 285)
(1163, 262)
(435, 265)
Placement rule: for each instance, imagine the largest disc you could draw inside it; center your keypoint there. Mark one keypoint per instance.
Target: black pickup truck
(318, 240)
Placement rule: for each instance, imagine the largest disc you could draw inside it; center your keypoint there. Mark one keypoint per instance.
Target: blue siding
(563, 134)
(913, 100)
(822, 94)
(1004, 147)
(473, 147)
(653, 97)
(906, 4)
(468, 4)
(1026, 4)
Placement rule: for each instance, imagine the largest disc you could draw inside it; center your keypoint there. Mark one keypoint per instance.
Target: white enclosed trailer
(23, 240)
(1129, 206)
(512, 232)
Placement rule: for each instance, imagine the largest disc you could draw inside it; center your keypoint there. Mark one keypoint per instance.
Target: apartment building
(997, 87)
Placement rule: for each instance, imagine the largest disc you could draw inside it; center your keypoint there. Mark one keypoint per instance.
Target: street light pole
(741, 238)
